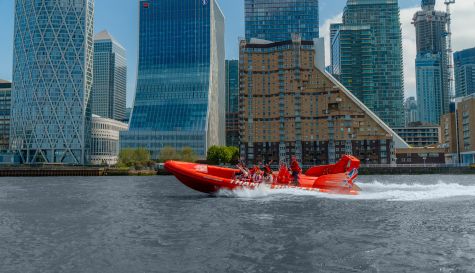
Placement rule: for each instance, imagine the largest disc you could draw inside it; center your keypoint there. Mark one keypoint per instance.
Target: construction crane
(450, 60)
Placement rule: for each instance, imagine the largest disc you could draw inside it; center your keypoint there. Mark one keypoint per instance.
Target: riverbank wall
(34, 171)
(38, 171)
(415, 170)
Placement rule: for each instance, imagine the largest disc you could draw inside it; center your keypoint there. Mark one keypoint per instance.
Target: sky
(120, 18)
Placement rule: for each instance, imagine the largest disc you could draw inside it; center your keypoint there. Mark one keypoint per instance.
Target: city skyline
(126, 31)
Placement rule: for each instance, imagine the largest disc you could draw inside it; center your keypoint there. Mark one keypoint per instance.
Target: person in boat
(256, 174)
(296, 170)
(284, 175)
(243, 171)
(268, 177)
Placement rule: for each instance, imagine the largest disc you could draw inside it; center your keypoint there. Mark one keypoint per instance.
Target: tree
(168, 153)
(126, 157)
(188, 155)
(141, 156)
(234, 151)
(134, 157)
(220, 155)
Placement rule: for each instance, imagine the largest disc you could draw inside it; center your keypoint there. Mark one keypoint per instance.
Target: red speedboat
(337, 178)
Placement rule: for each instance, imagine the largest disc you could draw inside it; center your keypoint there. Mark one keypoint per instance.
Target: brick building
(288, 107)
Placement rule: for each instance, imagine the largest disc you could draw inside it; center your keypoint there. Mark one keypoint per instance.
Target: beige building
(290, 106)
(459, 137)
(105, 140)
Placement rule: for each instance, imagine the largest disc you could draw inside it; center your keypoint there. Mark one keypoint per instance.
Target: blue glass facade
(179, 99)
(110, 78)
(274, 20)
(52, 80)
(429, 87)
(370, 50)
(232, 103)
(5, 107)
(464, 72)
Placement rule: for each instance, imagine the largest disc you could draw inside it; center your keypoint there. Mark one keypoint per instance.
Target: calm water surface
(154, 224)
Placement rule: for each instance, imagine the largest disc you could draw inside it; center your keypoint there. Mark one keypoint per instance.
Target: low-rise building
(289, 105)
(459, 131)
(105, 140)
(449, 137)
(419, 135)
(420, 156)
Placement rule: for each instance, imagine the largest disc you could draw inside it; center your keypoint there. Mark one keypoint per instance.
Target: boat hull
(211, 179)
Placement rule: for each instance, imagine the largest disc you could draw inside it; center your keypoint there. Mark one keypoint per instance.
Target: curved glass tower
(180, 99)
(52, 79)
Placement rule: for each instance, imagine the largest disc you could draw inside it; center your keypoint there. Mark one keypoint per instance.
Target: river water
(155, 224)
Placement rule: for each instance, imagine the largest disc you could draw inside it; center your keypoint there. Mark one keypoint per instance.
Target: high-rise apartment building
(277, 20)
(432, 74)
(291, 107)
(464, 72)
(52, 81)
(232, 103)
(370, 62)
(411, 110)
(110, 77)
(180, 96)
(5, 106)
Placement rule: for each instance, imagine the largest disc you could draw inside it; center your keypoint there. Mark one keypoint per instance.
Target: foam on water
(370, 191)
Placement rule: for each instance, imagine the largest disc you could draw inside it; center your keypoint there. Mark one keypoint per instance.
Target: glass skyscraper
(464, 72)
(110, 77)
(370, 50)
(52, 80)
(232, 103)
(5, 106)
(432, 75)
(276, 20)
(180, 96)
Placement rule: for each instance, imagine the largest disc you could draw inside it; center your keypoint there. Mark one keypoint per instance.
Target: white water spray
(370, 191)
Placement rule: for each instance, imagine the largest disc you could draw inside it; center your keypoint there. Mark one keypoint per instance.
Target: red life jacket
(295, 167)
(284, 176)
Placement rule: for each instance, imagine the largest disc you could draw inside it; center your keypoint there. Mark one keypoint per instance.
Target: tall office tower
(370, 48)
(464, 72)
(110, 77)
(276, 20)
(432, 74)
(335, 50)
(291, 107)
(5, 104)
(232, 103)
(52, 81)
(411, 110)
(180, 96)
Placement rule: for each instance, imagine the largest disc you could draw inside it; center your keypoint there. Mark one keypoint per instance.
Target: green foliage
(168, 153)
(188, 155)
(222, 155)
(234, 154)
(134, 158)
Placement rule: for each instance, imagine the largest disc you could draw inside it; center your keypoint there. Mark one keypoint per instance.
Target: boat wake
(370, 191)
